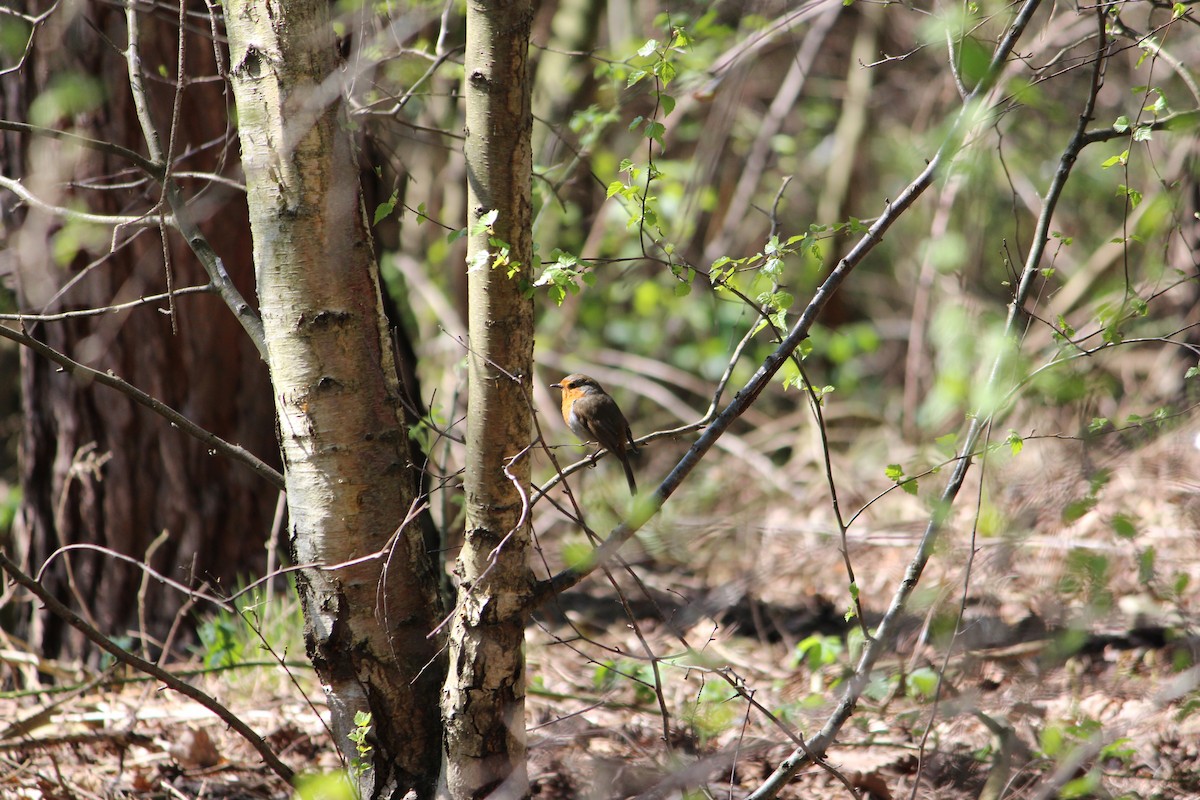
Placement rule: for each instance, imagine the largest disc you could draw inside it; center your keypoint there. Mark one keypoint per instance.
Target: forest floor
(1049, 650)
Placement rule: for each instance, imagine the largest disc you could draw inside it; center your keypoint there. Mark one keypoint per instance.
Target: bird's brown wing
(604, 421)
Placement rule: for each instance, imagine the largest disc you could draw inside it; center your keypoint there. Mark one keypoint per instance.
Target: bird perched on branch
(594, 416)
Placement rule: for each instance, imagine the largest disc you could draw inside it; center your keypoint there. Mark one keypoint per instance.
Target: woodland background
(1050, 646)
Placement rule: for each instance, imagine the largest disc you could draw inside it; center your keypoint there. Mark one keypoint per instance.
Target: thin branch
(141, 220)
(35, 22)
(135, 158)
(141, 665)
(1179, 121)
(219, 445)
(92, 312)
(213, 265)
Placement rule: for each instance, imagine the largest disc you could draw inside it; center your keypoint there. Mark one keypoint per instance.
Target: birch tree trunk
(351, 483)
(484, 699)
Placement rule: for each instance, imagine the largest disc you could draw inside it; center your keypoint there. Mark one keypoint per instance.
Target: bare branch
(142, 221)
(141, 665)
(219, 445)
(92, 312)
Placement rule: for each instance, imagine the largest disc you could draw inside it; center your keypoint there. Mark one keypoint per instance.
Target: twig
(141, 220)
(141, 665)
(91, 312)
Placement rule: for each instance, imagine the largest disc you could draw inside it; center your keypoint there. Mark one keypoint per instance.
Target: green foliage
(609, 674)
(341, 784)
(325, 786)
(564, 275)
(386, 208)
(818, 651)
(228, 638)
(920, 684)
(10, 501)
(74, 236)
(361, 764)
(713, 711)
(895, 474)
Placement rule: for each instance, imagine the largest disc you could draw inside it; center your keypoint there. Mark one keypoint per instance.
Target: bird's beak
(556, 386)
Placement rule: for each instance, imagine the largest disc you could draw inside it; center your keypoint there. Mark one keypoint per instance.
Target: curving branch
(94, 312)
(30, 199)
(150, 668)
(179, 219)
(233, 451)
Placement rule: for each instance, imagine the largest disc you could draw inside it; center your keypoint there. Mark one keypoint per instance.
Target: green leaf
(668, 103)
(1135, 197)
(1146, 561)
(484, 223)
(1085, 786)
(385, 209)
(648, 48)
(1123, 526)
(922, 683)
(665, 71)
(1122, 124)
(1113, 161)
(1051, 740)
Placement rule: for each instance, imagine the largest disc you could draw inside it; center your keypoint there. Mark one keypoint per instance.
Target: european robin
(594, 416)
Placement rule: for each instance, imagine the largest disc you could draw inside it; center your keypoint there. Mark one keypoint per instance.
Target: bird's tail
(629, 476)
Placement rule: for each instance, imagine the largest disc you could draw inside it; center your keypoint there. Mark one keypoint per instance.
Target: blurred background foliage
(803, 119)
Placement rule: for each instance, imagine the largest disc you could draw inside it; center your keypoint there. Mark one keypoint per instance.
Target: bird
(592, 415)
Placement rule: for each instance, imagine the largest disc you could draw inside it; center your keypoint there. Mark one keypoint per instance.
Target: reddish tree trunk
(95, 467)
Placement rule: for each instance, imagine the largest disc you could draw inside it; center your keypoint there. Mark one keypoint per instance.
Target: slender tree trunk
(484, 699)
(95, 467)
(351, 482)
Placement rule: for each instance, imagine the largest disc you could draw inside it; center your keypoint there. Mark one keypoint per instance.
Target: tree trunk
(484, 699)
(350, 479)
(95, 467)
